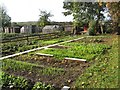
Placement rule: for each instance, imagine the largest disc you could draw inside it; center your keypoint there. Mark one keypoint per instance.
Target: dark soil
(60, 47)
(72, 69)
(70, 74)
(5, 53)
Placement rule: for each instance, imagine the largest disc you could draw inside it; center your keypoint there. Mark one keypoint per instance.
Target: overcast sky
(28, 10)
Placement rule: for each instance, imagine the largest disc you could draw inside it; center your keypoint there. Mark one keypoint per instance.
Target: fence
(33, 36)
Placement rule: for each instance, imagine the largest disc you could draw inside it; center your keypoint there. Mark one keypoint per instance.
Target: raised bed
(23, 45)
(53, 67)
(45, 69)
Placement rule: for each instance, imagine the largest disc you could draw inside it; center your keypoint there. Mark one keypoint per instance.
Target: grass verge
(104, 72)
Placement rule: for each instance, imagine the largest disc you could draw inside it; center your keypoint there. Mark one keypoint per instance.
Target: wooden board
(76, 59)
(41, 54)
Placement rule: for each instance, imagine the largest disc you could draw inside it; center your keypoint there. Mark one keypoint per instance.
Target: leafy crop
(20, 83)
(14, 82)
(16, 65)
(41, 86)
(9, 64)
(78, 50)
(52, 71)
(103, 73)
(23, 45)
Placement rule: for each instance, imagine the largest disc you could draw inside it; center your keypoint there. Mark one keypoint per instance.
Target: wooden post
(27, 40)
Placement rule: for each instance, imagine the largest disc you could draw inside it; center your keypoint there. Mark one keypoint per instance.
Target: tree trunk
(101, 27)
(97, 22)
(117, 29)
(3, 31)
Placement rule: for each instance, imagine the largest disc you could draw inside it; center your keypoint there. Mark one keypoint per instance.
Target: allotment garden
(78, 61)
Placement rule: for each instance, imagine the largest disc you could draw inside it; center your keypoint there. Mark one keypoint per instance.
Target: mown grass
(104, 72)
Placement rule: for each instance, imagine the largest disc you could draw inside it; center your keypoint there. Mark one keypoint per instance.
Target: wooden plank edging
(42, 54)
(65, 88)
(75, 59)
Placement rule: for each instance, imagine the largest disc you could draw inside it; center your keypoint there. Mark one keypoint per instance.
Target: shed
(36, 29)
(30, 29)
(15, 29)
(26, 29)
(51, 29)
(7, 30)
(68, 28)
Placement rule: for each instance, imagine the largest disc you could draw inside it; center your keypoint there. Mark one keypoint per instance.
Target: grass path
(104, 72)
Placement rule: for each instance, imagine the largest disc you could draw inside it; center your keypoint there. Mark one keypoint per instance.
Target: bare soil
(60, 47)
(71, 70)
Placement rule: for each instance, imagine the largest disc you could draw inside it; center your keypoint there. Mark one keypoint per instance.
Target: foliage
(52, 71)
(108, 26)
(1, 75)
(25, 23)
(10, 64)
(115, 14)
(10, 81)
(41, 86)
(84, 11)
(44, 18)
(104, 72)
(16, 65)
(5, 35)
(12, 47)
(22, 45)
(17, 82)
(92, 28)
(77, 50)
(4, 17)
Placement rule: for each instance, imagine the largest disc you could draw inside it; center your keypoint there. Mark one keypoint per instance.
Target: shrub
(91, 29)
